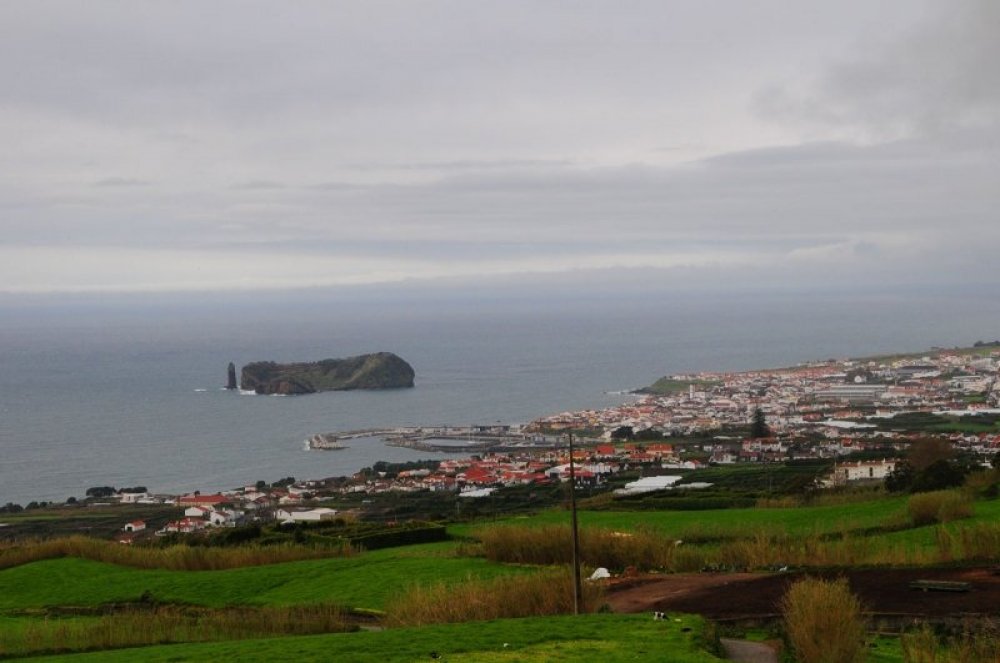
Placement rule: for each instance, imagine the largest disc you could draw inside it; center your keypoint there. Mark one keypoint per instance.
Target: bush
(977, 643)
(823, 622)
(522, 595)
(173, 558)
(137, 625)
(939, 475)
(552, 544)
(401, 536)
(940, 506)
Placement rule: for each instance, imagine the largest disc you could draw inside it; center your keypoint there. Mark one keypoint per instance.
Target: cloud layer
(185, 146)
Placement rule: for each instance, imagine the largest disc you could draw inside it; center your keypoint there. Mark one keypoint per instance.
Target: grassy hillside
(586, 638)
(40, 597)
(792, 520)
(797, 520)
(667, 385)
(364, 581)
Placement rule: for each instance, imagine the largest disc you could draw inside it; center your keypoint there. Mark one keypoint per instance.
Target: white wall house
(305, 515)
(222, 518)
(862, 470)
(133, 498)
(134, 526)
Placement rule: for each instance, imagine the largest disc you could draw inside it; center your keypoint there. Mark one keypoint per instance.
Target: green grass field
(363, 581)
(792, 520)
(585, 638)
(370, 580)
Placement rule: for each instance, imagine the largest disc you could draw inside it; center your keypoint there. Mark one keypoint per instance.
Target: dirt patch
(743, 651)
(735, 595)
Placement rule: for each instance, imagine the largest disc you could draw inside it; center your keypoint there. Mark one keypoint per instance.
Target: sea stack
(231, 380)
(380, 370)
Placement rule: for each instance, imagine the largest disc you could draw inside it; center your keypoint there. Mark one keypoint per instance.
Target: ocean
(126, 390)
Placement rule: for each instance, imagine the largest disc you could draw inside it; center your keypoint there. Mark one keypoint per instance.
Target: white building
(305, 515)
(134, 526)
(133, 498)
(862, 470)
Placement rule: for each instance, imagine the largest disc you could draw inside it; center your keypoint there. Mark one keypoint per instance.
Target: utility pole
(576, 534)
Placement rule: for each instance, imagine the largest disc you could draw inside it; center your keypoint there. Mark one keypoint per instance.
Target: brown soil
(735, 595)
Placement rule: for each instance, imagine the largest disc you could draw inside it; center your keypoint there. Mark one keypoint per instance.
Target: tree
(938, 475)
(101, 491)
(623, 433)
(900, 479)
(759, 427)
(928, 450)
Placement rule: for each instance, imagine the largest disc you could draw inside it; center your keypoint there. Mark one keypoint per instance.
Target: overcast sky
(159, 146)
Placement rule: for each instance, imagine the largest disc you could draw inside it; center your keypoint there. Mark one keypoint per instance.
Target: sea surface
(126, 391)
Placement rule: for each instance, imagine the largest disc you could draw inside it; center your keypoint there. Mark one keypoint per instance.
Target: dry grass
(137, 626)
(979, 542)
(532, 595)
(174, 558)
(842, 497)
(823, 622)
(754, 548)
(978, 643)
(783, 502)
(939, 506)
(552, 545)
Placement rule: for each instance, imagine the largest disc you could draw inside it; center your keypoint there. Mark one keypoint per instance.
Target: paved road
(744, 651)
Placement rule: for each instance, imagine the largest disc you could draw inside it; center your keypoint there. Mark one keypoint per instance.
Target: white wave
(247, 392)
(199, 390)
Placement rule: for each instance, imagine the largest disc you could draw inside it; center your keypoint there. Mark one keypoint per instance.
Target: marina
(498, 437)
(325, 442)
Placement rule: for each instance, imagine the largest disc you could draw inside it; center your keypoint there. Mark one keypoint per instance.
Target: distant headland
(379, 370)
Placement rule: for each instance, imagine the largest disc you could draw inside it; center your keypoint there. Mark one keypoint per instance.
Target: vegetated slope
(668, 385)
(362, 581)
(602, 637)
(792, 520)
(381, 370)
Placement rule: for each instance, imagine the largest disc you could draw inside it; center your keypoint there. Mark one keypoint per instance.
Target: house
(305, 515)
(133, 498)
(203, 500)
(183, 526)
(197, 511)
(222, 518)
(134, 526)
(721, 457)
(862, 470)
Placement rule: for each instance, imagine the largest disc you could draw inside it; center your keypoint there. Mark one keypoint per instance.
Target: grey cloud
(258, 185)
(435, 134)
(939, 77)
(338, 186)
(121, 182)
(465, 165)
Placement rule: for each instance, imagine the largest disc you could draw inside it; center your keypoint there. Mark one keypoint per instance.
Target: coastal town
(846, 411)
